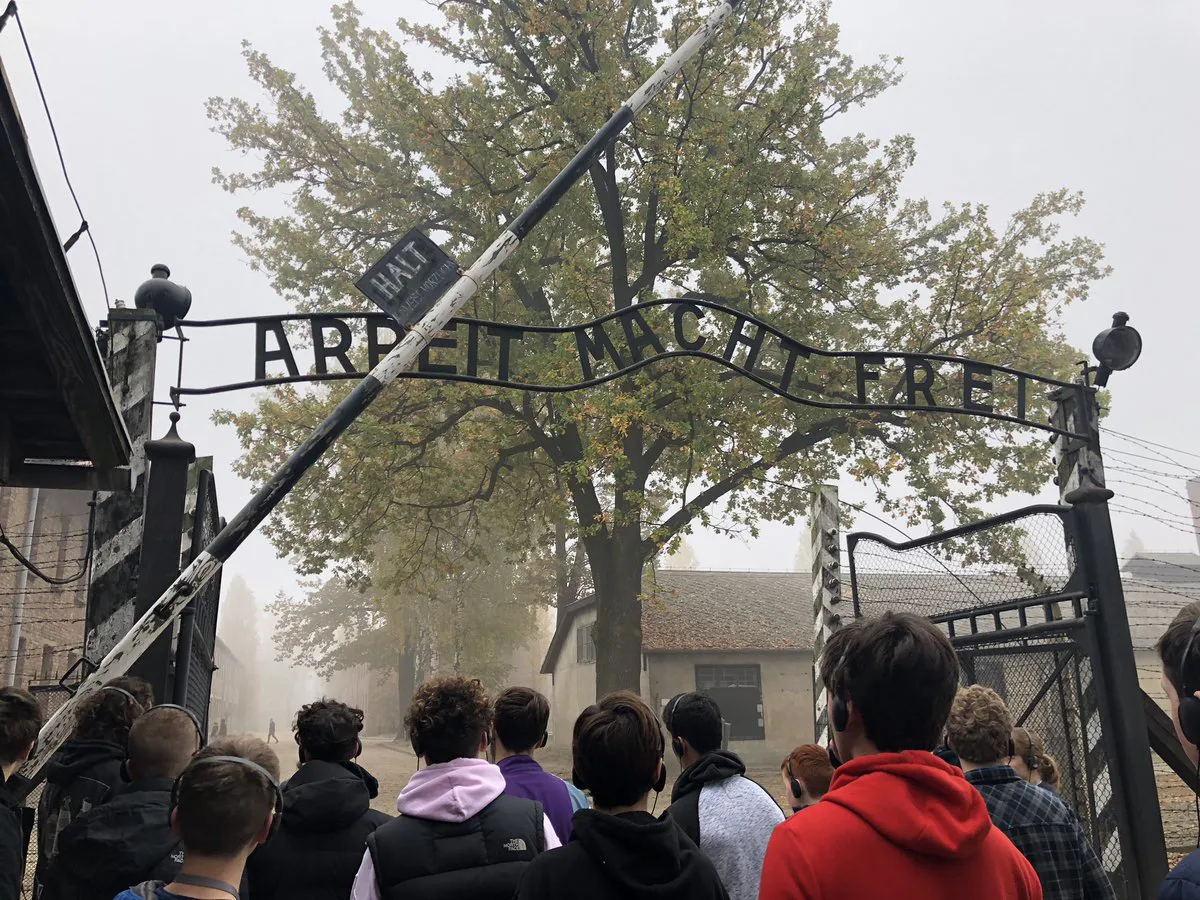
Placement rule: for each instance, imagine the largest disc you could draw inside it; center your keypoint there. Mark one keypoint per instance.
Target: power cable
(11, 10)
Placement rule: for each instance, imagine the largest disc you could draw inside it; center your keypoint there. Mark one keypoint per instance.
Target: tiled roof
(1163, 568)
(689, 609)
(692, 609)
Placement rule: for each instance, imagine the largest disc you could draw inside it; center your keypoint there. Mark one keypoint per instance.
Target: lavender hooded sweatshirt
(444, 792)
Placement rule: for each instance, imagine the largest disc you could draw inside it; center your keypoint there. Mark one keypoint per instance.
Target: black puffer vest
(482, 858)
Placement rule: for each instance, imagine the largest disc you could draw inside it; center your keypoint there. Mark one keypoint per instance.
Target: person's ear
(265, 831)
(29, 750)
(175, 820)
(357, 748)
(484, 742)
(545, 738)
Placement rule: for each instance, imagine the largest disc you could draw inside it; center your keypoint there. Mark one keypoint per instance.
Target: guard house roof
(59, 424)
(696, 610)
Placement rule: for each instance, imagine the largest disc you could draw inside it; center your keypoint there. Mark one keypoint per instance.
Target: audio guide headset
(277, 808)
(1189, 677)
(676, 743)
(133, 701)
(191, 715)
(793, 781)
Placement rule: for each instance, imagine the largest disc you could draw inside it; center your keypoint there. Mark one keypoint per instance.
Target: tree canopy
(730, 186)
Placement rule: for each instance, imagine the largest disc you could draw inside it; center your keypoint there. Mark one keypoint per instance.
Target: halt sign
(409, 279)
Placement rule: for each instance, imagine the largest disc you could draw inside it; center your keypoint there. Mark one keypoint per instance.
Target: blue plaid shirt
(1042, 827)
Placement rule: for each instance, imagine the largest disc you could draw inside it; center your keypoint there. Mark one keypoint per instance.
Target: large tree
(730, 186)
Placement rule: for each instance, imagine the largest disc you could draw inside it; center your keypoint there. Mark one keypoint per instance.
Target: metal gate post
(166, 496)
(1081, 481)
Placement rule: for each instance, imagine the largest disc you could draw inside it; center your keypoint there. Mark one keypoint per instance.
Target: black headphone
(1189, 706)
(793, 782)
(676, 743)
(241, 761)
(124, 693)
(203, 738)
(660, 780)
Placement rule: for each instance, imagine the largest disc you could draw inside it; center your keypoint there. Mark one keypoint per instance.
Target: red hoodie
(896, 826)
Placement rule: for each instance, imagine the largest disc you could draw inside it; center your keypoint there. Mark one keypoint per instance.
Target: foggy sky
(1004, 100)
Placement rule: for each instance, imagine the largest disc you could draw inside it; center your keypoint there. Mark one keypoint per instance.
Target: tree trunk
(561, 573)
(618, 612)
(406, 676)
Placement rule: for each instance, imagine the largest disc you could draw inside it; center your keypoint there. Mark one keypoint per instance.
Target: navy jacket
(1184, 881)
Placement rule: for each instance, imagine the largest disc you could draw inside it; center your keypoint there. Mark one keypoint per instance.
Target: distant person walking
(224, 730)
(271, 733)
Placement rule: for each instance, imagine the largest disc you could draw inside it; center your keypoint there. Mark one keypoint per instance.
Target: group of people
(136, 806)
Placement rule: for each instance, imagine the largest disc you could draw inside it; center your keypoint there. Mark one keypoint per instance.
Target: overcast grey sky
(1004, 99)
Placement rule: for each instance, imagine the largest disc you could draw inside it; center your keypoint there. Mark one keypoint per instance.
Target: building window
(47, 662)
(738, 692)
(585, 643)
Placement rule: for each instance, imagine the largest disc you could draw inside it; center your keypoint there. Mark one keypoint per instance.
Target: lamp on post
(1081, 485)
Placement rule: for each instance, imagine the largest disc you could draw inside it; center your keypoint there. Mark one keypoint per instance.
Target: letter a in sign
(409, 278)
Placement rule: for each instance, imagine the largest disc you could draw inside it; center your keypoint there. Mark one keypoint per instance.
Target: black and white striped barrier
(401, 359)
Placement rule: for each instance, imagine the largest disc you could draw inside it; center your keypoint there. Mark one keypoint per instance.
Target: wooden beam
(35, 269)
(69, 478)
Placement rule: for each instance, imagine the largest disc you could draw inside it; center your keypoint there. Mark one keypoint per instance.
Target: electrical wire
(84, 228)
(49, 579)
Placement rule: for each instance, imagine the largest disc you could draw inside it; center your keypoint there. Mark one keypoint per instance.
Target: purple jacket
(523, 777)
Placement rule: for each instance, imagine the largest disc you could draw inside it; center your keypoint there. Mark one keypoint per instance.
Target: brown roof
(696, 609)
(690, 609)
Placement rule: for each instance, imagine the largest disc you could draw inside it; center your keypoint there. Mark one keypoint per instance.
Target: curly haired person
(458, 833)
(327, 813)
(1036, 821)
(86, 770)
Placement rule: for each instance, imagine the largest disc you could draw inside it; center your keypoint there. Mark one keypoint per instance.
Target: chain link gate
(1012, 594)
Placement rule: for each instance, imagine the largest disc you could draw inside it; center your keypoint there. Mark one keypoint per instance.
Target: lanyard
(201, 881)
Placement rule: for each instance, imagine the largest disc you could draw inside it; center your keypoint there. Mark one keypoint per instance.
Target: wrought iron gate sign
(344, 345)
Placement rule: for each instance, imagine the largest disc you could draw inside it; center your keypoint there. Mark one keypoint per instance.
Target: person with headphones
(129, 839)
(86, 770)
(1037, 822)
(897, 821)
(225, 804)
(727, 815)
(20, 722)
(458, 834)
(620, 851)
(1179, 652)
(327, 813)
(520, 718)
(807, 772)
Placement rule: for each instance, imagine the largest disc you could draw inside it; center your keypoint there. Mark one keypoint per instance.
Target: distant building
(48, 619)
(225, 700)
(1157, 586)
(744, 637)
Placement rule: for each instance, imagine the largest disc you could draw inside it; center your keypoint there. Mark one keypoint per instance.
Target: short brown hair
(20, 722)
(161, 743)
(1174, 642)
(222, 806)
(809, 764)
(617, 750)
(901, 674)
(521, 717)
(108, 715)
(448, 718)
(980, 728)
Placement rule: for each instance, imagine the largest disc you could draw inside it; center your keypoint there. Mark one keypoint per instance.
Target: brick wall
(51, 623)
